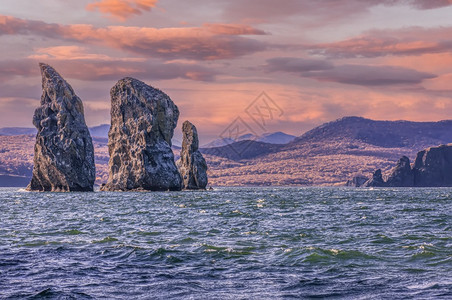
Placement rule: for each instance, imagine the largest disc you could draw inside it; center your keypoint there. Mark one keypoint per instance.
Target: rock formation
(142, 124)
(433, 167)
(357, 181)
(376, 180)
(192, 166)
(401, 175)
(64, 153)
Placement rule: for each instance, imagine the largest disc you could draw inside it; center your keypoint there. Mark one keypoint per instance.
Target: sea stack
(376, 180)
(139, 141)
(433, 167)
(402, 175)
(64, 152)
(192, 166)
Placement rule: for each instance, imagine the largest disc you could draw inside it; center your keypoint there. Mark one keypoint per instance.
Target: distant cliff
(432, 168)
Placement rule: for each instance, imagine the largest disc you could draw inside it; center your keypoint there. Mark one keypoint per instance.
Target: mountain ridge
(329, 154)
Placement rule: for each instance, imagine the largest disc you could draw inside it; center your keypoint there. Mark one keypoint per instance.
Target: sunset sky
(317, 60)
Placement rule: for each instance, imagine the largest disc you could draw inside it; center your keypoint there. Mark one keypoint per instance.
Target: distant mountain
(276, 138)
(269, 138)
(387, 134)
(9, 131)
(329, 154)
(100, 130)
(219, 143)
(246, 149)
(96, 131)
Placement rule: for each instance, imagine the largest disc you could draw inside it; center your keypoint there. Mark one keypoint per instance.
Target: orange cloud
(434, 63)
(233, 29)
(209, 42)
(122, 9)
(402, 42)
(442, 83)
(74, 53)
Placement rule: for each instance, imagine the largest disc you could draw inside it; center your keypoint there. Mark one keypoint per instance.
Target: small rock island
(432, 168)
(64, 152)
(192, 165)
(143, 120)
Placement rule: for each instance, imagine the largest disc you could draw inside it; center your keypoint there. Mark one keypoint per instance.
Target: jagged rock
(433, 167)
(357, 181)
(401, 175)
(64, 153)
(376, 180)
(142, 124)
(192, 166)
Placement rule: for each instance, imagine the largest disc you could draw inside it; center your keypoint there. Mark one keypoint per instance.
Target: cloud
(233, 29)
(363, 75)
(101, 70)
(323, 11)
(401, 42)
(74, 53)
(370, 75)
(209, 42)
(296, 65)
(430, 4)
(11, 68)
(122, 9)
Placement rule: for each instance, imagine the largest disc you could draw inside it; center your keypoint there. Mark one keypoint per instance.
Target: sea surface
(230, 243)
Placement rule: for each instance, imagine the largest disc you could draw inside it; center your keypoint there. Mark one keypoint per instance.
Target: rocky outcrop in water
(433, 167)
(64, 153)
(192, 166)
(401, 175)
(357, 181)
(142, 124)
(376, 180)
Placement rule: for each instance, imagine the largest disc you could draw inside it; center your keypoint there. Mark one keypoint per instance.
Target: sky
(240, 66)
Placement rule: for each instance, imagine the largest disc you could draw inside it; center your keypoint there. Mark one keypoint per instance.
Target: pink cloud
(74, 53)
(401, 42)
(209, 42)
(265, 11)
(104, 70)
(364, 75)
(122, 9)
(233, 29)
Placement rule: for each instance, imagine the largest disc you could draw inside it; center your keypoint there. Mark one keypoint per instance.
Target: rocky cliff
(142, 124)
(376, 180)
(401, 175)
(192, 166)
(63, 153)
(432, 168)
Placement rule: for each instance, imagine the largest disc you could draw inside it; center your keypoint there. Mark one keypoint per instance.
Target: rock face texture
(64, 153)
(433, 167)
(139, 141)
(376, 180)
(357, 181)
(192, 166)
(401, 175)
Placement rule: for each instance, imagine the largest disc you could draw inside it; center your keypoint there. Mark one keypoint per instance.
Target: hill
(96, 131)
(329, 154)
(269, 138)
(326, 155)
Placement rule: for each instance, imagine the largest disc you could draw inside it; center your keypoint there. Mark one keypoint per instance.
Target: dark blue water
(231, 243)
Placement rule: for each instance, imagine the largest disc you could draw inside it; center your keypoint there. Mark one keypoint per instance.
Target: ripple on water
(227, 243)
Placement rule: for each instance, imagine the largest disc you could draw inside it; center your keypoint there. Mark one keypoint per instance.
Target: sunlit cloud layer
(318, 60)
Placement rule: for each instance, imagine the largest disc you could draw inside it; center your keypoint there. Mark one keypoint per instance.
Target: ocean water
(230, 243)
